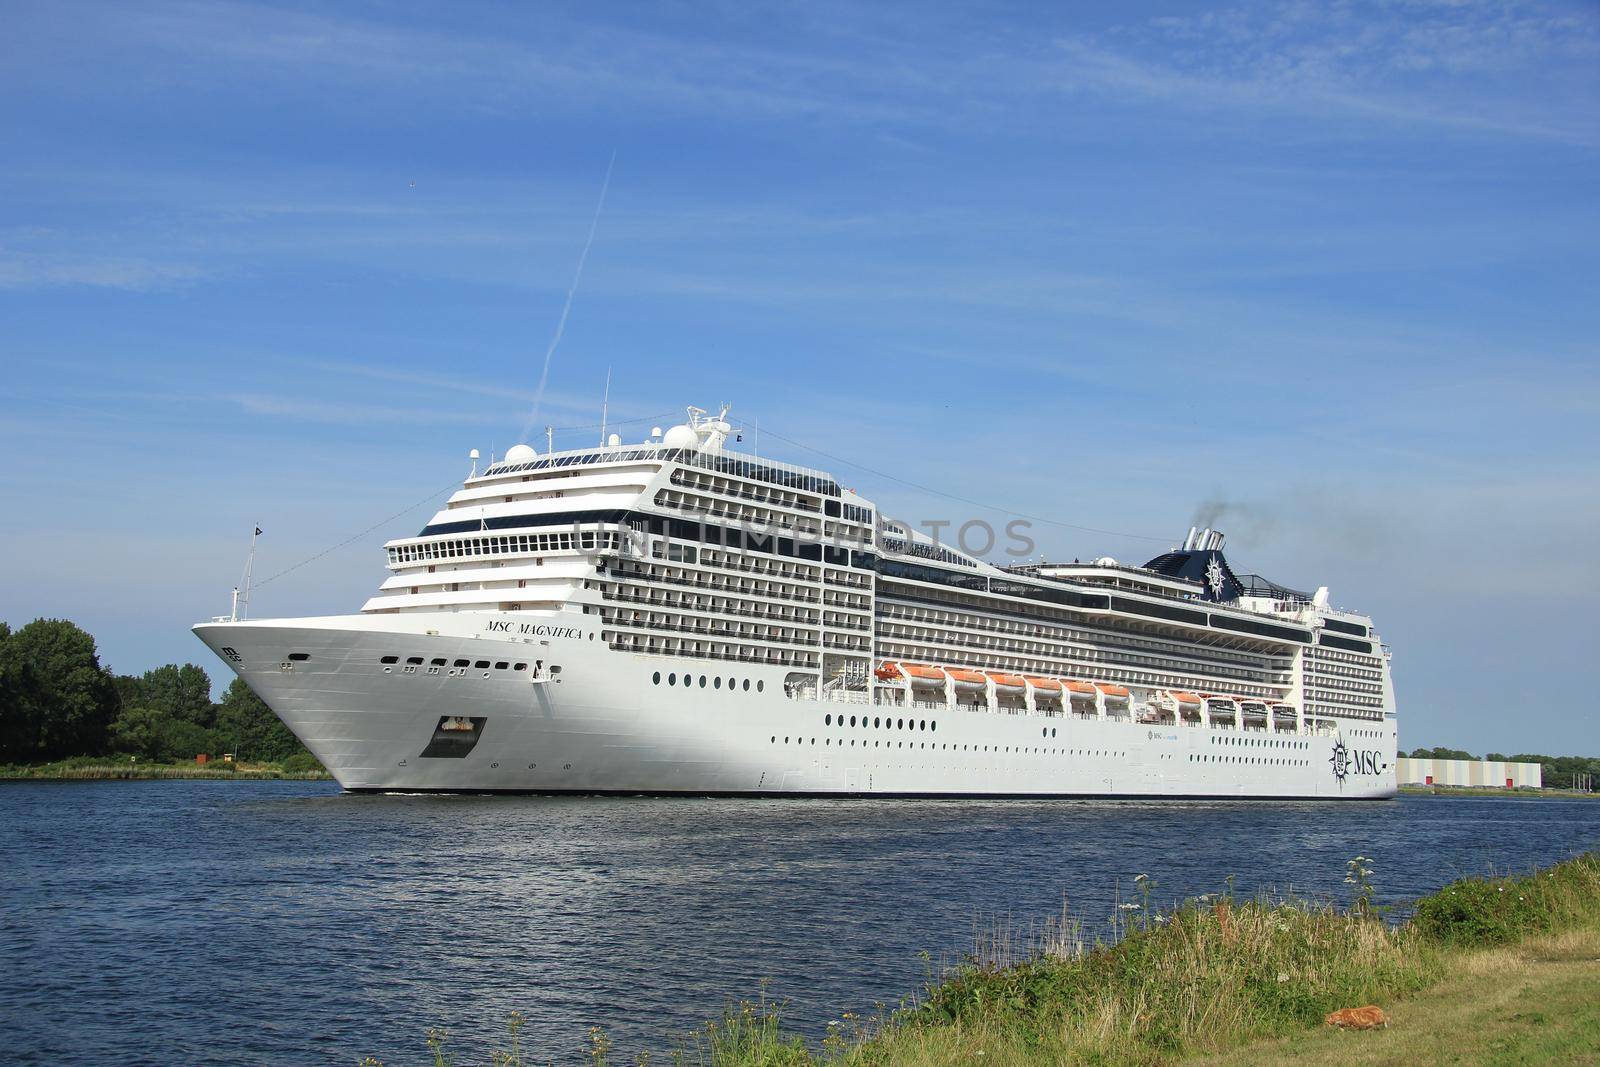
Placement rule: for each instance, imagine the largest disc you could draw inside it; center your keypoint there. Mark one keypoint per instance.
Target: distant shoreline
(55, 772)
(1495, 791)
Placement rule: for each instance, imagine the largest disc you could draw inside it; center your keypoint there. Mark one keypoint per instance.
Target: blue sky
(1329, 270)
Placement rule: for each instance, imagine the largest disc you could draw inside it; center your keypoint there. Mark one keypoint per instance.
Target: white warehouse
(1490, 774)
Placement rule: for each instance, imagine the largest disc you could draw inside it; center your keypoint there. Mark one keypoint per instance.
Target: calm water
(287, 923)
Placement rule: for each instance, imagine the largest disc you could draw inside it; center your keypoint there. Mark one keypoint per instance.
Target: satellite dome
(681, 437)
(1106, 561)
(519, 454)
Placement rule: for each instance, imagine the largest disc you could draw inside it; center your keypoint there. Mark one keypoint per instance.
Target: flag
(258, 531)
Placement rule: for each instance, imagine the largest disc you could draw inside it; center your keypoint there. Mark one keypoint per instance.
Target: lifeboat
(1008, 683)
(1283, 711)
(1080, 691)
(967, 681)
(1111, 692)
(1187, 705)
(1253, 709)
(920, 675)
(1044, 685)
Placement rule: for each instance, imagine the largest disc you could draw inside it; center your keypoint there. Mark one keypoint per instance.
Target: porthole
(437, 662)
(827, 720)
(502, 665)
(415, 661)
(852, 720)
(519, 666)
(672, 679)
(390, 659)
(481, 664)
(702, 681)
(716, 683)
(299, 657)
(876, 722)
(731, 684)
(900, 724)
(932, 726)
(463, 663)
(746, 685)
(760, 686)
(655, 679)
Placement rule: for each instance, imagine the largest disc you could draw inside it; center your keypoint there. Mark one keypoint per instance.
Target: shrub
(302, 763)
(1494, 911)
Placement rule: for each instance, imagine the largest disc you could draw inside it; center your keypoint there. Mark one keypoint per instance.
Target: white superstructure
(677, 617)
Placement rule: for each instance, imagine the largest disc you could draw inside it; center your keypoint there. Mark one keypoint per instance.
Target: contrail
(561, 324)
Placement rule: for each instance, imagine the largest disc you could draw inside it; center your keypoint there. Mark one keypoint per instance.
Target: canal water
(286, 922)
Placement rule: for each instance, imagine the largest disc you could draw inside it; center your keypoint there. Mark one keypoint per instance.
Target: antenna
(572, 291)
(604, 404)
(473, 455)
(549, 439)
(249, 568)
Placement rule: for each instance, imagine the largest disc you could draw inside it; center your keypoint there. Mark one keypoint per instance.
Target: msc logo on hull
(1366, 761)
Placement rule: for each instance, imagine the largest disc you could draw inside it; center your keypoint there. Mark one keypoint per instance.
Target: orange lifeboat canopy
(966, 679)
(888, 672)
(1080, 690)
(1007, 681)
(922, 674)
(1112, 690)
(1048, 685)
(1185, 698)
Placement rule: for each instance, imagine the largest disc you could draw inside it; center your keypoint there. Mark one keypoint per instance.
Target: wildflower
(1130, 906)
(1283, 976)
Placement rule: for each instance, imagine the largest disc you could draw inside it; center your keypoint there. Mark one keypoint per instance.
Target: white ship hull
(583, 718)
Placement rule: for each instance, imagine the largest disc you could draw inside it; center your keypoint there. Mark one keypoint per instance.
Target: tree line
(57, 701)
(1559, 772)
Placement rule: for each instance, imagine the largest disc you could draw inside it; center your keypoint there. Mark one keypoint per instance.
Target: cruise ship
(678, 617)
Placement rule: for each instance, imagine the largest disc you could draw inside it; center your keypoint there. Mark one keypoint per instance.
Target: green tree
(55, 698)
(248, 728)
(182, 740)
(182, 692)
(1441, 753)
(137, 732)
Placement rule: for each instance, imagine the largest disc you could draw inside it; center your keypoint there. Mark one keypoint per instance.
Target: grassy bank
(1498, 968)
(1490, 791)
(97, 768)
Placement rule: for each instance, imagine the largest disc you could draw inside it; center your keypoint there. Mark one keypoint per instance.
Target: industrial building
(1491, 774)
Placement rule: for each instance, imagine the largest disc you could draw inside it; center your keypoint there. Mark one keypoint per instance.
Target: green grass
(1219, 976)
(106, 768)
(1532, 1002)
